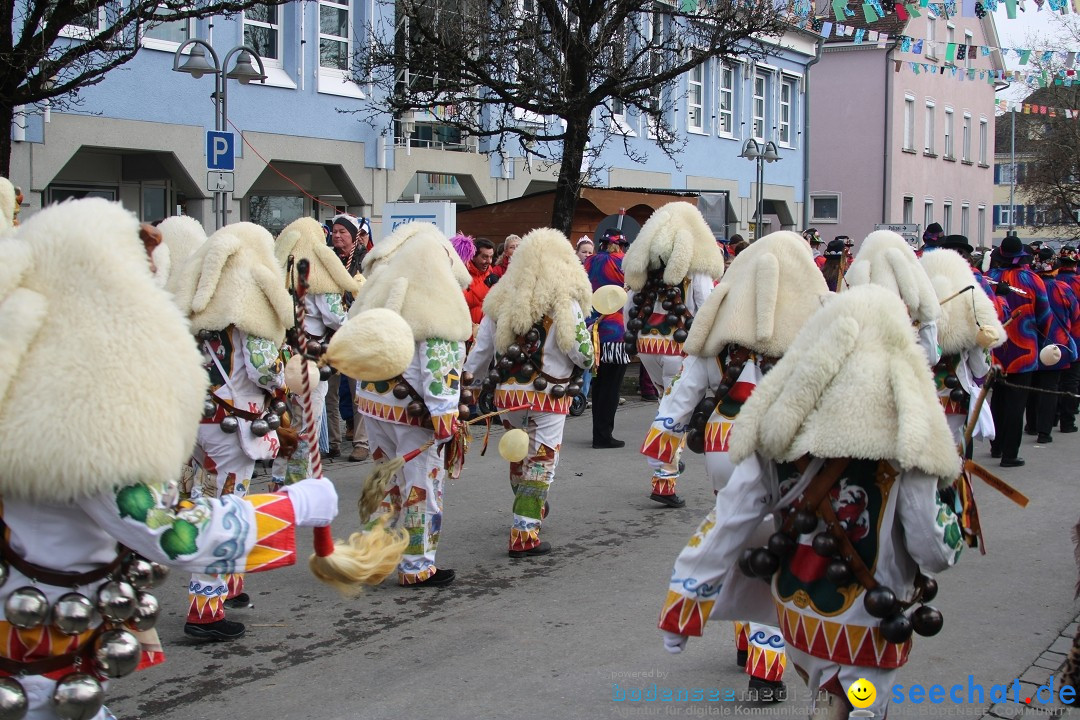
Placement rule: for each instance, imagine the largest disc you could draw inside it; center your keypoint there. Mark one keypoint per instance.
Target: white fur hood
(181, 235)
(963, 315)
(304, 238)
(677, 237)
(234, 279)
(416, 272)
(7, 205)
(546, 276)
(854, 384)
(886, 260)
(767, 294)
(101, 384)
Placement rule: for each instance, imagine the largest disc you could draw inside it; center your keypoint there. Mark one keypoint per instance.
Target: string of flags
(873, 11)
(1024, 108)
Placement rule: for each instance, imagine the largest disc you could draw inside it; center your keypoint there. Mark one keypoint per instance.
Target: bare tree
(52, 49)
(556, 77)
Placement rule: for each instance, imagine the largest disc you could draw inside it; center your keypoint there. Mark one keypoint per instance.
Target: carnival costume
(234, 294)
(670, 269)
(10, 198)
(887, 260)
(534, 320)
(968, 328)
(1042, 405)
(845, 443)
(416, 272)
(90, 507)
(328, 281)
(746, 325)
(180, 237)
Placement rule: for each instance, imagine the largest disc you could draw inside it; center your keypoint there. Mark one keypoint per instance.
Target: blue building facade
(307, 142)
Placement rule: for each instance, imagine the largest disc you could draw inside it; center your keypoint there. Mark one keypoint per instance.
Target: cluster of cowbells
(643, 307)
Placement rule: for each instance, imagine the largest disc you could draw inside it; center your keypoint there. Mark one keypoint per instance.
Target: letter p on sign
(220, 151)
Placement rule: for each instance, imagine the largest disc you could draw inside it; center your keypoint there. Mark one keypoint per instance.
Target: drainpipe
(886, 176)
(806, 135)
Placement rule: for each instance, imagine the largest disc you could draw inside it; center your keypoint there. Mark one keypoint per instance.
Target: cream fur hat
(765, 297)
(101, 384)
(7, 205)
(677, 237)
(885, 259)
(965, 315)
(546, 276)
(304, 238)
(416, 272)
(854, 384)
(234, 279)
(181, 235)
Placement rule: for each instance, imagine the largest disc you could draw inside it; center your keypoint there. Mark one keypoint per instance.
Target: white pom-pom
(1050, 355)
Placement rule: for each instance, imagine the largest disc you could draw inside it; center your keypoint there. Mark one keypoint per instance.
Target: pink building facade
(895, 147)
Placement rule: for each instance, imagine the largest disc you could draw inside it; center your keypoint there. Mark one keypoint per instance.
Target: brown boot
(359, 454)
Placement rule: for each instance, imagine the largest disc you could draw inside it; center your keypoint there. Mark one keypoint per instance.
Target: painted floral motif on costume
(336, 304)
(266, 361)
(443, 360)
(706, 525)
(583, 338)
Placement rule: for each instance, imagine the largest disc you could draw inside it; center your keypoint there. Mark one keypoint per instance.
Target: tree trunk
(7, 117)
(568, 188)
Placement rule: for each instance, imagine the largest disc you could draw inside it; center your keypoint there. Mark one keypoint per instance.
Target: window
(787, 98)
(928, 135)
(946, 217)
(727, 100)
(262, 31)
(166, 34)
(825, 208)
(909, 210)
(931, 36)
(965, 213)
(695, 98)
(950, 33)
(966, 139)
(909, 122)
(969, 40)
(86, 26)
(1005, 215)
(758, 108)
(981, 230)
(949, 133)
(928, 214)
(1005, 174)
(983, 125)
(335, 44)
(274, 212)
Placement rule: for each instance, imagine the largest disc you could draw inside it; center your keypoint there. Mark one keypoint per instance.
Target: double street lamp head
(198, 64)
(244, 70)
(753, 150)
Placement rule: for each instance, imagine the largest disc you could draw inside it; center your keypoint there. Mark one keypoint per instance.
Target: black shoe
(995, 452)
(542, 549)
(215, 631)
(438, 579)
(1012, 462)
(604, 444)
(1044, 438)
(670, 500)
(1030, 431)
(767, 691)
(1067, 429)
(741, 657)
(240, 602)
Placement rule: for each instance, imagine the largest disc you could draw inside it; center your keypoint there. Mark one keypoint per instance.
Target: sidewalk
(1038, 673)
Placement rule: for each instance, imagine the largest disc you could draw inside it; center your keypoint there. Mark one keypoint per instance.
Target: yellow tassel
(366, 558)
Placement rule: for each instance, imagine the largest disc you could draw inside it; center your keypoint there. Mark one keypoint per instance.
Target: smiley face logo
(862, 693)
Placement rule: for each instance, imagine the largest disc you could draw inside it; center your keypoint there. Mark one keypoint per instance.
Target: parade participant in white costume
(328, 281)
(670, 269)
(181, 235)
(887, 260)
(10, 201)
(534, 320)
(968, 329)
(83, 319)
(416, 272)
(748, 322)
(845, 443)
(234, 293)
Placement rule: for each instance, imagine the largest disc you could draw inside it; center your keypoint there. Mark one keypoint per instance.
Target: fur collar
(7, 205)
(544, 280)
(963, 316)
(677, 237)
(304, 238)
(101, 384)
(765, 297)
(854, 384)
(181, 235)
(234, 279)
(886, 260)
(416, 272)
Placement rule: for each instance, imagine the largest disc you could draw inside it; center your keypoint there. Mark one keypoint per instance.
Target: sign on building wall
(909, 231)
(442, 215)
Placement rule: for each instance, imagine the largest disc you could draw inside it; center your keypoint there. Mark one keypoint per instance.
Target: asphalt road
(548, 637)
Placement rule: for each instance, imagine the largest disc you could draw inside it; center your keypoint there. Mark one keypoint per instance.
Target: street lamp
(196, 64)
(755, 152)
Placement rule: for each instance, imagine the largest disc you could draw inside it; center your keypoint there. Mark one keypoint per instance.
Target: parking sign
(219, 151)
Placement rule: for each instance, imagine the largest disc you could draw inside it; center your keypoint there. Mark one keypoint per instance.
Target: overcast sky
(1018, 33)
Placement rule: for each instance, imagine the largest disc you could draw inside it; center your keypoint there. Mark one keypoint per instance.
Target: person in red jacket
(483, 277)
